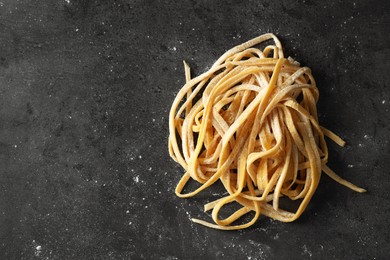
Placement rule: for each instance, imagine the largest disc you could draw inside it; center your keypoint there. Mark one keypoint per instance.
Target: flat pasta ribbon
(251, 122)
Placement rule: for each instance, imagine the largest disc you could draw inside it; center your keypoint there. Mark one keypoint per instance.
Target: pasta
(251, 122)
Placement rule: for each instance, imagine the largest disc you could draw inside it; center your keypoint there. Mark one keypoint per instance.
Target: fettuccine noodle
(251, 122)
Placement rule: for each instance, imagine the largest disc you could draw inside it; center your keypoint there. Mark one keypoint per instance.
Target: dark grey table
(85, 90)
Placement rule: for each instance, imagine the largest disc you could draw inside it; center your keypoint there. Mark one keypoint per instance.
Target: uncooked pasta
(250, 122)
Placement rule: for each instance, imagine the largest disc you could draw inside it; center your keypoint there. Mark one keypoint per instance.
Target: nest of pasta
(251, 122)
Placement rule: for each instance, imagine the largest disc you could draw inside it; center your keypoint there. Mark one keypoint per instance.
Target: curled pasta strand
(251, 122)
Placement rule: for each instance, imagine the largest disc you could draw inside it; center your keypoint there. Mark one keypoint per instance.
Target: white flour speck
(67, 1)
(350, 166)
(306, 251)
(38, 250)
(136, 179)
(127, 211)
(383, 101)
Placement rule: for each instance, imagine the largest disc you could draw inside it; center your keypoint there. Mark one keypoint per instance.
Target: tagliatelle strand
(251, 122)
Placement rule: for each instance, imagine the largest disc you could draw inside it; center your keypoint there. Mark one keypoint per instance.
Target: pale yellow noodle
(251, 122)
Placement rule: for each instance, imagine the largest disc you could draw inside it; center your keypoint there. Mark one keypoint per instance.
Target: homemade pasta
(251, 122)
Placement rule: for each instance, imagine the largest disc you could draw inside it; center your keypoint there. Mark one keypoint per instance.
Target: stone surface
(85, 90)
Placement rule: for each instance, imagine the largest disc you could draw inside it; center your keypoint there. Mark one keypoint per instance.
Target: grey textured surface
(85, 90)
